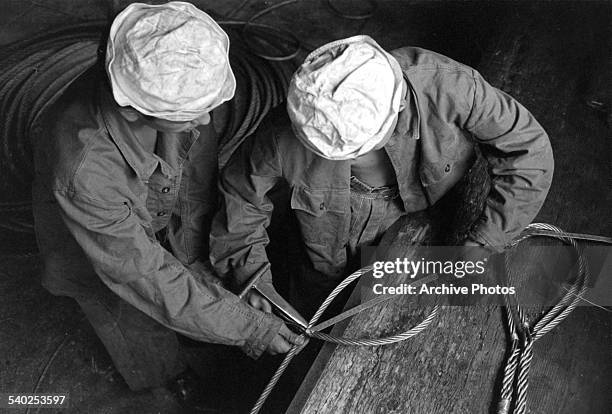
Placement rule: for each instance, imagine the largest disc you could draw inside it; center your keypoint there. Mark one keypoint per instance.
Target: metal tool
(280, 305)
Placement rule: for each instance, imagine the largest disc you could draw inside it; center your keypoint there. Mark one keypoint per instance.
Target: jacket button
(166, 190)
(447, 168)
(322, 206)
(161, 213)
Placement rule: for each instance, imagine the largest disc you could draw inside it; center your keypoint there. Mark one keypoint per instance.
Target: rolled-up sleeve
(238, 237)
(520, 161)
(137, 268)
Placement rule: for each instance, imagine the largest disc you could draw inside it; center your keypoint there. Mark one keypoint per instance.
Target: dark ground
(551, 56)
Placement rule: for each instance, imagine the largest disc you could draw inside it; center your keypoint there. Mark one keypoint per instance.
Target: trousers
(373, 211)
(144, 352)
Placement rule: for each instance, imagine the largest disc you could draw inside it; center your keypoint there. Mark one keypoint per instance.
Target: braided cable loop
(335, 339)
(379, 341)
(515, 380)
(507, 389)
(336, 291)
(522, 382)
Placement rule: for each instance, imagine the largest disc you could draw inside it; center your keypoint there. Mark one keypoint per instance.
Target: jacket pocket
(455, 149)
(432, 173)
(322, 215)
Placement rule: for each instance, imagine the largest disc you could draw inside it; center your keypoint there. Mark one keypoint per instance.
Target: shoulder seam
(473, 97)
(435, 67)
(84, 154)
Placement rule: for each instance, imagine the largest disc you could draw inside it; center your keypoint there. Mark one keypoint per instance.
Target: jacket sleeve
(520, 161)
(238, 236)
(132, 264)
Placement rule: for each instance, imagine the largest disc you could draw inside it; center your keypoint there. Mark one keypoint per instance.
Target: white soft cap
(345, 97)
(169, 61)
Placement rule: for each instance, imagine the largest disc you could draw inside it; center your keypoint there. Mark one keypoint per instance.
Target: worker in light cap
(371, 136)
(124, 193)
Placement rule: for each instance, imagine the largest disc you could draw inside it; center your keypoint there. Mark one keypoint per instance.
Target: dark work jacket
(99, 200)
(449, 107)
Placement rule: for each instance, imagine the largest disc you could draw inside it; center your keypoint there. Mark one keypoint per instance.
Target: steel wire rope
(335, 339)
(520, 353)
(515, 379)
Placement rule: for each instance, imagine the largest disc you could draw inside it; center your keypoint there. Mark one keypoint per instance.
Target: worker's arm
(129, 260)
(238, 236)
(520, 162)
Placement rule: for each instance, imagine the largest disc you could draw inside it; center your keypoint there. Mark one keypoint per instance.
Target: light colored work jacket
(100, 199)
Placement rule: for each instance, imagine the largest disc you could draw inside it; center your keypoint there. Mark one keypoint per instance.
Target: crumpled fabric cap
(169, 61)
(345, 97)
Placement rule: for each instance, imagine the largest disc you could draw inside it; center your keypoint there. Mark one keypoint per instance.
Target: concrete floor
(548, 55)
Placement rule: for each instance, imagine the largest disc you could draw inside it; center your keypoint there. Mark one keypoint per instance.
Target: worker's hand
(474, 251)
(284, 341)
(476, 254)
(472, 243)
(258, 302)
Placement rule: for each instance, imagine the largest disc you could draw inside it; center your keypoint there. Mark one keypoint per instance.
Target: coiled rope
(35, 72)
(290, 40)
(516, 372)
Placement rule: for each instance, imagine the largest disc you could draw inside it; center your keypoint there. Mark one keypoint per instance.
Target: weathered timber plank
(454, 365)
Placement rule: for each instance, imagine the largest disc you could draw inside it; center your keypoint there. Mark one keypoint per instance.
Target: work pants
(373, 211)
(145, 353)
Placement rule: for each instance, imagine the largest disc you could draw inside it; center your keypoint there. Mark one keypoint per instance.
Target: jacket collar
(143, 162)
(409, 119)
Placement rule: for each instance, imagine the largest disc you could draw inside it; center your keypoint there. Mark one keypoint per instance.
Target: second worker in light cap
(124, 191)
(371, 136)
